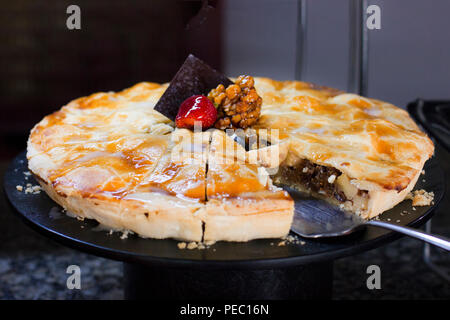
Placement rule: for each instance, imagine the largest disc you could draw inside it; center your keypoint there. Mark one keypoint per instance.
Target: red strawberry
(196, 108)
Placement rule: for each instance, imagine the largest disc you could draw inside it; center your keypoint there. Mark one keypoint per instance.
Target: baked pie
(113, 158)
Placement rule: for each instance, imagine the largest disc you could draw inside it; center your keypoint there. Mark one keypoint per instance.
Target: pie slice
(91, 184)
(242, 202)
(170, 202)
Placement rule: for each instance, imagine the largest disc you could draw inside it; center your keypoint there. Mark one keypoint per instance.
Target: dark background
(43, 65)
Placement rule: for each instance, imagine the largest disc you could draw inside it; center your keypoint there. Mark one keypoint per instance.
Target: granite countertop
(34, 267)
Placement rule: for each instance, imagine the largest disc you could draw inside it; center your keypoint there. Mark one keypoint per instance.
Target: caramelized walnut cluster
(238, 106)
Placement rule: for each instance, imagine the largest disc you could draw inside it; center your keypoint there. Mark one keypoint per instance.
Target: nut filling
(314, 177)
(238, 105)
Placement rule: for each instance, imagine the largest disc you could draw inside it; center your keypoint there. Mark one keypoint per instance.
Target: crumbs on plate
(29, 188)
(290, 239)
(421, 198)
(195, 245)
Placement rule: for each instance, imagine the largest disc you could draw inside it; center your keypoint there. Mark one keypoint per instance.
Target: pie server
(315, 218)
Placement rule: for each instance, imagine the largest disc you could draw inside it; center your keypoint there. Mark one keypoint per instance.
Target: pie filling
(324, 181)
(313, 177)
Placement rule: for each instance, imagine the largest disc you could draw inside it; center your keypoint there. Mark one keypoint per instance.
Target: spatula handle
(439, 241)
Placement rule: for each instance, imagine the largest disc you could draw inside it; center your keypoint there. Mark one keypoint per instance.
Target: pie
(112, 158)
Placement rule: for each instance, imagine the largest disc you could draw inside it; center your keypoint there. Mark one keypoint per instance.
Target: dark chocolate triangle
(194, 77)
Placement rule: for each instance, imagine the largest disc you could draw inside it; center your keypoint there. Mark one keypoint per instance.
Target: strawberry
(196, 108)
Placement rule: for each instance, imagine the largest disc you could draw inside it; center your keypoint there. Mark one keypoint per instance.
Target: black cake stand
(259, 269)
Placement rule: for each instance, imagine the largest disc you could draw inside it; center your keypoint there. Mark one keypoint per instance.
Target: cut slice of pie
(170, 202)
(242, 202)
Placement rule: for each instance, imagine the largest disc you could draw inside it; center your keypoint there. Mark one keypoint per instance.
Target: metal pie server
(315, 218)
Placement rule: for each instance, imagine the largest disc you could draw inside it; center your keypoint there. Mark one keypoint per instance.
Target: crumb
(32, 189)
(421, 198)
(414, 208)
(271, 243)
(124, 234)
(181, 245)
(388, 219)
(288, 239)
(27, 173)
(192, 245)
(80, 218)
(36, 189)
(423, 171)
(210, 242)
(19, 188)
(110, 232)
(397, 221)
(302, 243)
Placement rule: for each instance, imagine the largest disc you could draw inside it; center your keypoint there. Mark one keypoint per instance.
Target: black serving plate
(41, 213)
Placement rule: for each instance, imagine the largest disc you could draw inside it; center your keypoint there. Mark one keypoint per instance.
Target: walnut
(238, 105)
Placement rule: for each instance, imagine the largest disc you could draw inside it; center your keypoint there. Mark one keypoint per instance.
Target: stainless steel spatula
(315, 218)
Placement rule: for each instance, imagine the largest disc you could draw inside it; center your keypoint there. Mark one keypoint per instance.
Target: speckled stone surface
(34, 267)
